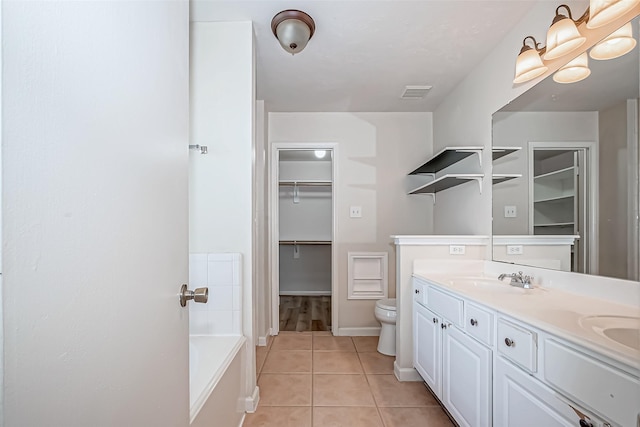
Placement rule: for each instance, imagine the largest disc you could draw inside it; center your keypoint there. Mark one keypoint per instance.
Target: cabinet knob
(417, 291)
(509, 342)
(473, 322)
(435, 320)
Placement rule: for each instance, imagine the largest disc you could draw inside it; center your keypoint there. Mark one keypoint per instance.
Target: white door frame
(591, 158)
(633, 159)
(274, 231)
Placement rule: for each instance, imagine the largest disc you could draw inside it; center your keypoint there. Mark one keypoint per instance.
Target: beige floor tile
(289, 361)
(321, 343)
(389, 392)
(322, 334)
(275, 416)
(285, 389)
(432, 416)
(341, 390)
(261, 355)
(346, 417)
(365, 343)
(376, 363)
(336, 362)
(292, 341)
(295, 333)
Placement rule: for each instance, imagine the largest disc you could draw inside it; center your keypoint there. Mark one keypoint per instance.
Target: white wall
(220, 182)
(517, 129)
(464, 118)
(375, 153)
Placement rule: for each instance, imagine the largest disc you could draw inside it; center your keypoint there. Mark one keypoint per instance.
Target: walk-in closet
(305, 234)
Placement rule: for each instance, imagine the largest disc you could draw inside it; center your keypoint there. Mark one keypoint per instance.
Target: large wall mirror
(572, 199)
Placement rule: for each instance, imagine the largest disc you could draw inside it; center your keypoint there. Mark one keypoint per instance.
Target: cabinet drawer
(518, 344)
(420, 292)
(445, 305)
(605, 389)
(478, 323)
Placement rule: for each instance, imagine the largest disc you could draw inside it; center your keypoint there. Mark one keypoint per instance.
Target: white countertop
(551, 310)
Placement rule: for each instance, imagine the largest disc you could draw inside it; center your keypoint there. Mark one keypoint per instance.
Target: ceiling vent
(415, 92)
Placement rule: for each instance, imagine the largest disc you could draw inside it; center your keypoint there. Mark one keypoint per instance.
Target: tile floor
(313, 379)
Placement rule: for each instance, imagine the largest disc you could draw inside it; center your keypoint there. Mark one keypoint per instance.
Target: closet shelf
(502, 177)
(558, 199)
(498, 152)
(559, 174)
(448, 181)
(555, 224)
(445, 158)
(305, 242)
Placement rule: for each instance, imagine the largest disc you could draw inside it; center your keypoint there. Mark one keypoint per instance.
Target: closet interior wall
(305, 209)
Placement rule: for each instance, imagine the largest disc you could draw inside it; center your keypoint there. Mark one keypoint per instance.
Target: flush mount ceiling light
(616, 44)
(320, 153)
(529, 64)
(563, 35)
(293, 29)
(574, 71)
(606, 11)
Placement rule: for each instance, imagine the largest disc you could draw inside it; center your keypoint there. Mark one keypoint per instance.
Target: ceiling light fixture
(320, 153)
(616, 44)
(293, 29)
(563, 35)
(576, 70)
(606, 11)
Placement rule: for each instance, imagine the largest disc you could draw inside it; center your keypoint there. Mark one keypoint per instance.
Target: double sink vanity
(500, 354)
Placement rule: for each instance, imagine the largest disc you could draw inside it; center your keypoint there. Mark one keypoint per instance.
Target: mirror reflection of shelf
(305, 242)
(503, 177)
(305, 183)
(498, 152)
(557, 175)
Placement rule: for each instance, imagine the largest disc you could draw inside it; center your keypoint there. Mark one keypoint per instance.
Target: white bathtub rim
(216, 377)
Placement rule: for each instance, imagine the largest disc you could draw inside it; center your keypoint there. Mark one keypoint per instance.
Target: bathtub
(215, 360)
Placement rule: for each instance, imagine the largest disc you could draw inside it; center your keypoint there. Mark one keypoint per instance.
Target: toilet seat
(387, 304)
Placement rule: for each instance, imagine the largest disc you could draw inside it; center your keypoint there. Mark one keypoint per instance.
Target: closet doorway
(303, 254)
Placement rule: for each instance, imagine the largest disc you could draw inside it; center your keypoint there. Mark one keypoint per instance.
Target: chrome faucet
(517, 279)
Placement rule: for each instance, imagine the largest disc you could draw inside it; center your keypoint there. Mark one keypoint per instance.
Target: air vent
(415, 92)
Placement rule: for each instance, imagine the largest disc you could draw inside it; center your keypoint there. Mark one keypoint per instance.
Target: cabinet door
(427, 343)
(466, 378)
(521, 400)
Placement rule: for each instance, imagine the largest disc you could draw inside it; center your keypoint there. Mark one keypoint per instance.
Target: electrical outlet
(510, 212)
(456, 250)
(515, 250)
(355, 212)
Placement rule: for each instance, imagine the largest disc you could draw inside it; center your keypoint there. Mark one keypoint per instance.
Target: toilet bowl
(385, 313)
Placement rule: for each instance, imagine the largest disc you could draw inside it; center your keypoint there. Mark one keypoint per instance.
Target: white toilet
(385, 313)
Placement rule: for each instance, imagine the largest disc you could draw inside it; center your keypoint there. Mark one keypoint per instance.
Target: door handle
(200, 295)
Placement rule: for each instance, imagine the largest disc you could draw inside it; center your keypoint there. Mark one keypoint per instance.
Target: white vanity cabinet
(456, 366)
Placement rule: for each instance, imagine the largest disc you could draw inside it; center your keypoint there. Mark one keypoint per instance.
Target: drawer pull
(473, 322)
(417, 291)
(509, 342)
(435, 320)
(445, 325)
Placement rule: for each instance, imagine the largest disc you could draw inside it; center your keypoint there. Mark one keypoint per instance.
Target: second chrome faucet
(517, 279)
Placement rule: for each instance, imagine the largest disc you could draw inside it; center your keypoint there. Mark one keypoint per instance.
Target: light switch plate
(510, 212)
(355, 212)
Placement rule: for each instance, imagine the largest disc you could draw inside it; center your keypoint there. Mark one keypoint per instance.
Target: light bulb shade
(320, 153)
(602, 12)
(616, 44)
(574, 71)
(528, 65)
(293, 29)
(563, 37)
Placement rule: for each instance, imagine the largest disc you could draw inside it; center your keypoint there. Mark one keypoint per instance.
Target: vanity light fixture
(606, 11)
(576, 70)
(529, 65)
(563, 35)
(618, 43)
(293, 29)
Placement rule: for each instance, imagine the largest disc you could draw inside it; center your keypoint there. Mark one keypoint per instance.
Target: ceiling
(364, 52)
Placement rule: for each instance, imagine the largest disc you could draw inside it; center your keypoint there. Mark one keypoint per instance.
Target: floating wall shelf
(448, 181)
(446, 157)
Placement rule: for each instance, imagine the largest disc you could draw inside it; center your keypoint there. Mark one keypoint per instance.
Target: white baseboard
(305, 293)
(263, 341)
(406, 374)
(371, 331)
(251, 402)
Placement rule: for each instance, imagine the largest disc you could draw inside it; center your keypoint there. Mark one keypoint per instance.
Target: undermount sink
(624, 330)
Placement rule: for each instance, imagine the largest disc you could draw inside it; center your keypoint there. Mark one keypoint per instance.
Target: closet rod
(305, 242)
(305, 183)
